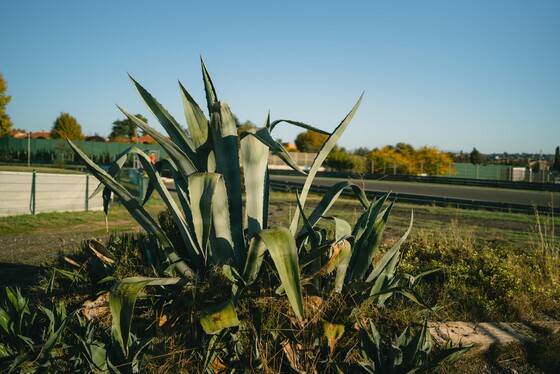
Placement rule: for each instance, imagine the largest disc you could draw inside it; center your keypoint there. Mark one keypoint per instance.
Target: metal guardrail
(533, 186)
(285, 186)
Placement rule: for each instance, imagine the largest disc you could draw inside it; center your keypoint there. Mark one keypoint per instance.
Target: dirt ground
(24, 256)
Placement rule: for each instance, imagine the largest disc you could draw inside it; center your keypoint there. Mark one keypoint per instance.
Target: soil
(24, 256)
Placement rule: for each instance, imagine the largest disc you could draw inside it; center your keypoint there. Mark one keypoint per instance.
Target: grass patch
(39, 223)
(512, 228)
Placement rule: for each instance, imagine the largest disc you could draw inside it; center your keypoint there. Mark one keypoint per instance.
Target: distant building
(146, 139)
(290, 147)
(96, 138)
(40, 135)
(18, 134)
(538, 165)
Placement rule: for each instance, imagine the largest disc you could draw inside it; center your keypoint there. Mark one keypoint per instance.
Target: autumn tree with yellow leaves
(5, 121)
(404, 159)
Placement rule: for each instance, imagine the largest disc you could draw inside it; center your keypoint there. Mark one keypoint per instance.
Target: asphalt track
(497, 195)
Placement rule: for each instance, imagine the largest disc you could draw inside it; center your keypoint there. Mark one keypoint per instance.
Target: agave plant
(206, 166)
(409, 353)
(209, 162)
(23, 343)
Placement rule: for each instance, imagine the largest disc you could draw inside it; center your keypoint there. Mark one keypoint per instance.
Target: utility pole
(28, 149)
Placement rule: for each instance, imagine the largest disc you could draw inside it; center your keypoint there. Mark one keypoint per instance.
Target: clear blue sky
(451, 74)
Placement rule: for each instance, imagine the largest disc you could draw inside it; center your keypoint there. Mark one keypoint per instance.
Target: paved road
(441, 190)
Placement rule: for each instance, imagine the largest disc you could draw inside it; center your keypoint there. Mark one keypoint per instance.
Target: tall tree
(556, 165)
(388, 160)
(362, 151)
(310, 141)
(5, 121)
(476, 157)
(125, 129)
(404, 149)
(340, 160)
(404, 159)
(66, 127)
(430, 161)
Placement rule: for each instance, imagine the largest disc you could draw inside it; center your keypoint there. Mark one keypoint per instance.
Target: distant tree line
(401, 158)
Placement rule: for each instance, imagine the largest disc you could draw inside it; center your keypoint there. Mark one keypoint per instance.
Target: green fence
(50, 151)
(493, 172)
(501, 173)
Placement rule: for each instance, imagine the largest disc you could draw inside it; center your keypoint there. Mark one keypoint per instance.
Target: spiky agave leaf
(282, 248)
(184, 163)
(178, 135)
(185, 228)
(263, 134)
(211, 97)
(329, 198)
(196, 120)
(114, 169)
(368, 232)
(181, 186)
(273, 124)
(254, 156)
(210, 213)
(122, 299)
(321, 156)
(136, 210)
(387, 264)
(224, 138)
(218, 317)
(384, 271)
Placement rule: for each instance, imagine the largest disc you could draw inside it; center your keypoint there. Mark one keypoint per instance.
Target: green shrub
(482, 281)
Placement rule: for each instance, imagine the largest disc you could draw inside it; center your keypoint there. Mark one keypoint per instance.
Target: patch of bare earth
(23, 256)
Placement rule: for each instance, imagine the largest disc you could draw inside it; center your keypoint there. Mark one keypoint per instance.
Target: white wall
(53, 192)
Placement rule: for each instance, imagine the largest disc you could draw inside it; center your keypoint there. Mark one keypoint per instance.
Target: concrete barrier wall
(21, 193)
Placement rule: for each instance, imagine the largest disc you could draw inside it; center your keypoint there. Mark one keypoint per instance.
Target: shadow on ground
(19, 275)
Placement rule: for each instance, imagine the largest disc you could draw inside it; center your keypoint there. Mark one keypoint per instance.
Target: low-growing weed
(483, 280)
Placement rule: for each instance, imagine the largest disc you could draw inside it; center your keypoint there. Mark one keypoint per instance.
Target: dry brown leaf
(98, 308)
